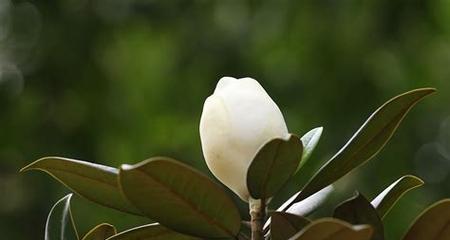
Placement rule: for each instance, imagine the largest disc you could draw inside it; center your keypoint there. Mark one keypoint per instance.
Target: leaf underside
(387, 199)
(60, 224)
(309, 141)
(308, 205)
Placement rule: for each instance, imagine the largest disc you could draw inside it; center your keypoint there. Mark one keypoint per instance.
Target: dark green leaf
(95, 182)
(100, 232)
(333, 229)
(309, 141)
(272, 166)
(60, 224)
(152, 231)
(285, 225)
(432, 224)
(366, 142)
(386, 199)
(180, 197)
(358, 210)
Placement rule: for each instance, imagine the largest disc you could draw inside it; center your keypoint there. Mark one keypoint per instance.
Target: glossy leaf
(366, 142)
(152, 231)
(100, 232)
(309, 141)
(432, 224)
(60, 224)
(95, 182)
(286, 225)
(304, 207)
(386, 199)
(358, 210)
(180, 197)
(308, 205)
(272, 166)
(329, 228)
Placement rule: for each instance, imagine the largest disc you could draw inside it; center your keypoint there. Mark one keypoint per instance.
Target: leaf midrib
(188, 203)
(110, 184)
(441, 231)
(121, 206)
(268, 172)
(405, 110)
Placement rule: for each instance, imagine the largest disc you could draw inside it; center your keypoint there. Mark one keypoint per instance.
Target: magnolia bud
(237, 119)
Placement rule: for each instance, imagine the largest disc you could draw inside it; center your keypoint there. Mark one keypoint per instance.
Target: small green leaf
(366, 142)
(358, 210)
(100, 232)
(95, 182)
(386, 199)
(272, 166)
(60, 224)
(286, 225)
(310, 141)
(333, 229)
(432, 224)
(152, 231)
(180, 197)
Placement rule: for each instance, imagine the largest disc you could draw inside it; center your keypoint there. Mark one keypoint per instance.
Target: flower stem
(257, 214)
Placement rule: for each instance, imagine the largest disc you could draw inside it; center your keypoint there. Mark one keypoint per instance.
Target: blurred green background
(114, 81)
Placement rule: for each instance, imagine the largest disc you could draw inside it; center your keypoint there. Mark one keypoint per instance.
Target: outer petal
(243, 116)
(216, 145)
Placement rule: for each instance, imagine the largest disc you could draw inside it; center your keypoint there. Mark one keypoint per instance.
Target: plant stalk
(258, 215)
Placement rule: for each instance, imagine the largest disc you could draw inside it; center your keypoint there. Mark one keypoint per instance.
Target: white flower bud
(237, 119)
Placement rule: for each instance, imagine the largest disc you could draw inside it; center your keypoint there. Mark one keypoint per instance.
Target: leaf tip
(24, 169)
(34, 165)
(126, 167)
(418, 181)
(66, 198)
(319, 129)
(414, 180)
(425, 90)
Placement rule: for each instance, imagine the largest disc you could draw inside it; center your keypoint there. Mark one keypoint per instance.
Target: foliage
(113, 81)
(189, 205)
